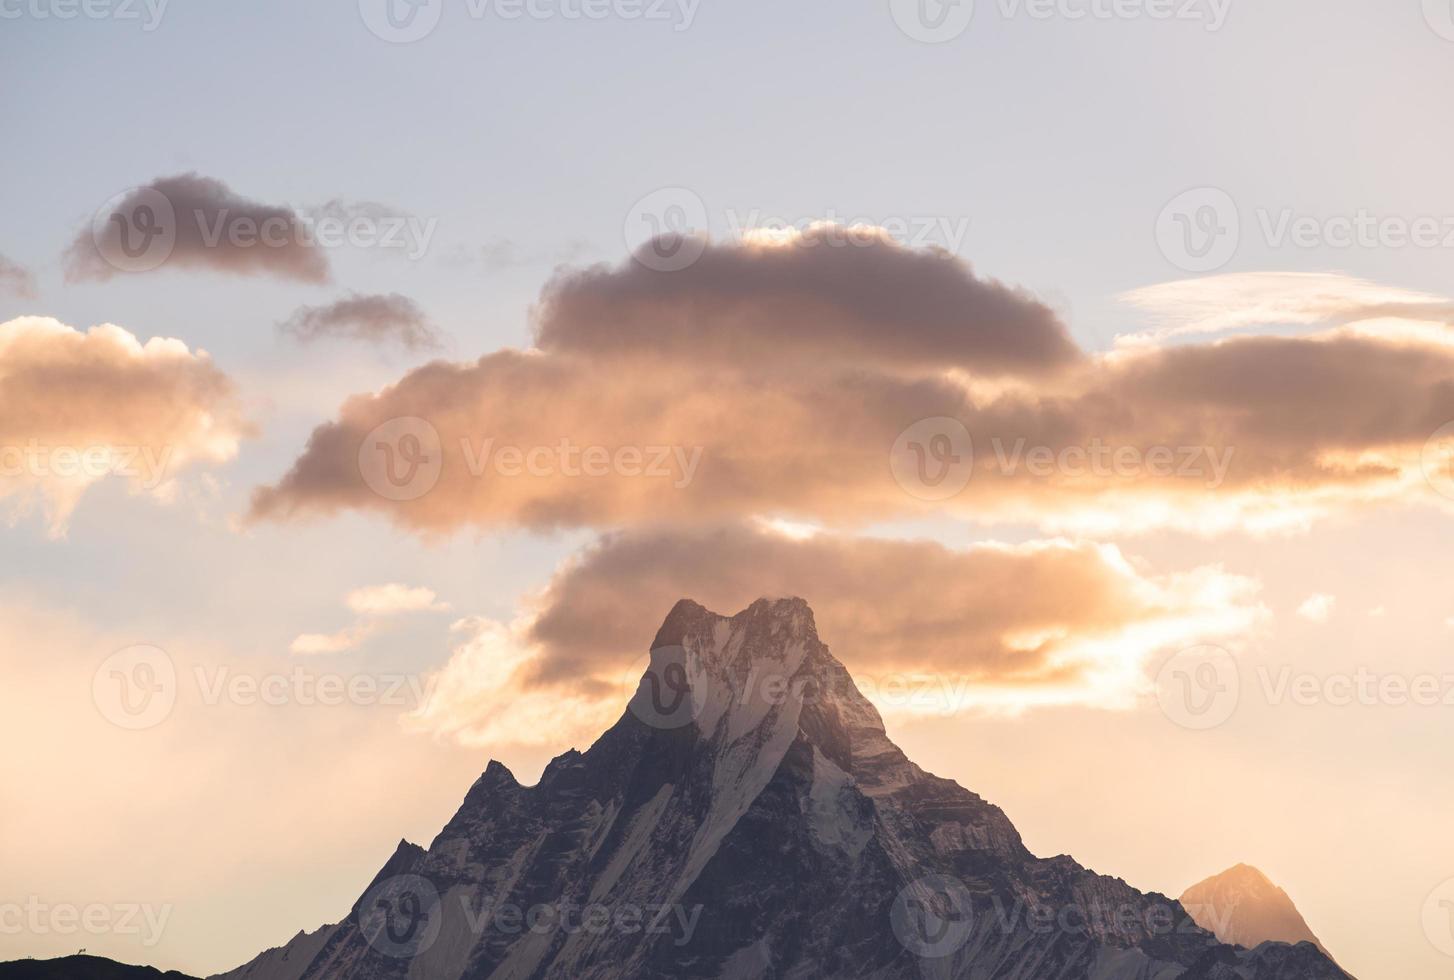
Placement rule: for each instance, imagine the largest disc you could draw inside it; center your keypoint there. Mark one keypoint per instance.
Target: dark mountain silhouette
(748, 817)
(83, 968)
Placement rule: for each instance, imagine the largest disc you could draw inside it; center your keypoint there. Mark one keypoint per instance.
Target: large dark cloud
(846, 298)
(191, 221)
(376, 319)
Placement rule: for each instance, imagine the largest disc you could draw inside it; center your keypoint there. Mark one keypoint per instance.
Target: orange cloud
(765, 381)
(78, 407)
(991, 627)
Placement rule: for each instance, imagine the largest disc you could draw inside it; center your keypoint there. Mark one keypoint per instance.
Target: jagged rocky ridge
(748, 817)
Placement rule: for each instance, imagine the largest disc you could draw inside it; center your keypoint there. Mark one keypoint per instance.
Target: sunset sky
(1091, 377)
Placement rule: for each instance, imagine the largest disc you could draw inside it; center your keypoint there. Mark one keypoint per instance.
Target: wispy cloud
(16, 279)
(375, 319)
(394, 598)
(1217, 304)
(373, 605)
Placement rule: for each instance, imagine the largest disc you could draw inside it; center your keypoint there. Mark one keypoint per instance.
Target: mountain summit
(1242, 906)
(748, 817)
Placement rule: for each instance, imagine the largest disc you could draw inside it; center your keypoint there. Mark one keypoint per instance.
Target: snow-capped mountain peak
(749, 817)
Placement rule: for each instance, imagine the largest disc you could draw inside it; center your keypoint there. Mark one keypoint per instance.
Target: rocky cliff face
(748, 817)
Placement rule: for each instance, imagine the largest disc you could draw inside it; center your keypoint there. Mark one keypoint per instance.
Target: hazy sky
(1293, 155)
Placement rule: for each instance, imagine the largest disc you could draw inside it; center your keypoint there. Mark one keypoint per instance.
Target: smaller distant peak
(1245, 872)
